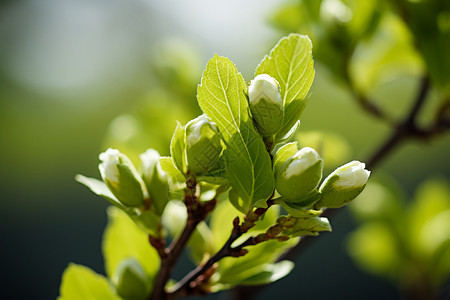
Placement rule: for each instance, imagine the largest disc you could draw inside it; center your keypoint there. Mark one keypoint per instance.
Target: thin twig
(186, 285)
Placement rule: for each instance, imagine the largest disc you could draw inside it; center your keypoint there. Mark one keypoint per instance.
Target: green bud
(266, 104)
(122, 178)
(155, 179)
(130, 280)
(298, 226)
(343, 185)
(203, 146)
(299, 176)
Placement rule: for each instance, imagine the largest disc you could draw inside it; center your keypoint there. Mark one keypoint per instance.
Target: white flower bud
(266, 104)
(203, 146)
(351, 175)
(343, 185)
(299, 176)
(122, 178)
(108, 167)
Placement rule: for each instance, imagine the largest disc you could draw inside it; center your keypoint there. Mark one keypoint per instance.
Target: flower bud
(122, 178)
(266, 104)
(299, 176)
(343, 185)
(203, 146)
(131, 280)
(155, 180)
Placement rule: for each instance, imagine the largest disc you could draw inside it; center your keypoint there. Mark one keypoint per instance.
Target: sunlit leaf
(283, 154)
(177, 148)
(290, 62)
(122, 239)
(79, 282)
(99, 188)
(221, 95)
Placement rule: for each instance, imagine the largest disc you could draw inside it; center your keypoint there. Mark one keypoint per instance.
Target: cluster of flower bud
(297, 181)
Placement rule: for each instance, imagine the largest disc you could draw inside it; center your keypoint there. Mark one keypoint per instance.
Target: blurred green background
(79, 76)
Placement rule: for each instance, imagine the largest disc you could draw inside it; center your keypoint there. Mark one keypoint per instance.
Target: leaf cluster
(220, 194)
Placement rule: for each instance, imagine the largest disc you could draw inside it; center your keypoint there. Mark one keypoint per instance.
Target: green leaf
(100, 188)
(290, 62)
(269, 273)
(79, 282)
(280, 139)
(283, 154)
(217, 175)
(177, 148)
(123, 239)
(388, 55)
(427, 216)
(177, 180)
(299, 226)
(221, 95)
(263, 274)
(375, 248)
(296, 210)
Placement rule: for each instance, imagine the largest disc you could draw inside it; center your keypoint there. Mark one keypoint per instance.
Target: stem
(197, 212)
(187, 285)
(405, 129)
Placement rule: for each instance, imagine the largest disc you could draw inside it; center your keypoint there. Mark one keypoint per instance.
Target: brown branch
(187, 285)
(406, 129)
(196, 212)
(373, 109)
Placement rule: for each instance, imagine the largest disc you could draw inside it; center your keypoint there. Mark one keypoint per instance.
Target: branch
(196, 212)
(406, 129)
(373, 109)
(187, 285)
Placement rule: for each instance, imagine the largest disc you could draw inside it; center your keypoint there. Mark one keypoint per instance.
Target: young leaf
(177, 148)
(99, 187)
(80, 282)
(283, 154)
(290, 62)
(221, 95)
(122, 239)
(297, 210)
(269, 273)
